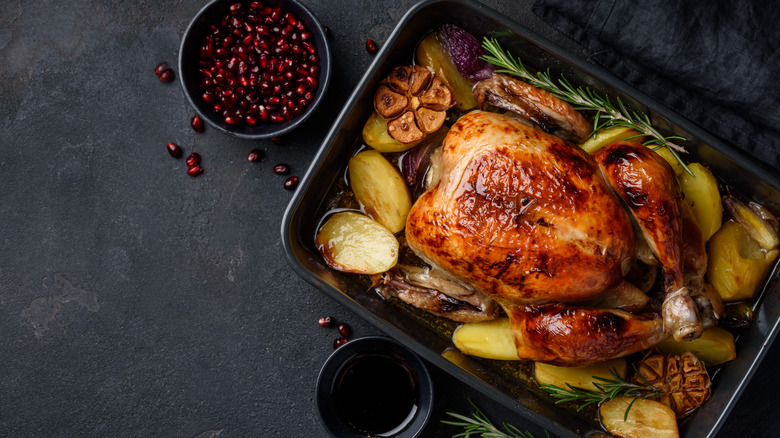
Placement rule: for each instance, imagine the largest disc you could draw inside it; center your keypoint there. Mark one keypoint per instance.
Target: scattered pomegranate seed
(166, 76)
(344, 329)
(371, 46)
(194, 171)
(326, 29)
(197, 124)
(281, 169)
(193, 159)
(339, 342)
(325, 321)
(291, 183)
(277, 140)
(161, 67)
(255, 155)
(174, 150)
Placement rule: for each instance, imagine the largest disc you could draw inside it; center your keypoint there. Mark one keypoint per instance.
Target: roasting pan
(429, 336)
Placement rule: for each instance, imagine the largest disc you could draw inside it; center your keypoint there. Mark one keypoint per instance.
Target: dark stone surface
(137, 301)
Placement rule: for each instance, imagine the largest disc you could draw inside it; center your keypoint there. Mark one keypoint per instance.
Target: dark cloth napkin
(717, 62)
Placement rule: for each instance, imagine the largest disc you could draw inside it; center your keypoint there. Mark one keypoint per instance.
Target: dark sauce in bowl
(374, 387)
(376, 394)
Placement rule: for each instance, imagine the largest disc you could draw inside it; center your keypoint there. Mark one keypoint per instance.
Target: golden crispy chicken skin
(647, 184)
(564, 335)
(528, 219)
(521, 215)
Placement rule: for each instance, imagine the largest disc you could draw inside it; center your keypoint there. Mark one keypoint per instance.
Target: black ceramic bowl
(190, 56)
(334, 377)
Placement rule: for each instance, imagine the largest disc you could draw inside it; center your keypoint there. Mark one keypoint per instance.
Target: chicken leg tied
(648, 186)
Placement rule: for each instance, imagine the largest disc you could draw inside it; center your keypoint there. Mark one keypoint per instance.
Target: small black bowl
(189, 57)
(334, 377)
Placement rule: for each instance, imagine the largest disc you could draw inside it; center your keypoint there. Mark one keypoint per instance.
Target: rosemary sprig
(479, 425)
(607, 113)
(608, 390)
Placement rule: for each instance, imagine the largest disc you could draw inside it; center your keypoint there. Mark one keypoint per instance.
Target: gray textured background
(137, 301)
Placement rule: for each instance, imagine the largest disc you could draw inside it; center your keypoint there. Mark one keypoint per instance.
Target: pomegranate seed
(344, 329)
(281, 169)
(161, 67)
(174, 150)
(193, 159)
(277, 140)
(194, 171)
(371, 46)
(255, 155)
(197, 124)
(339, 342)
(291, 183)
(263, 114)
(325, 321)
(166, 76)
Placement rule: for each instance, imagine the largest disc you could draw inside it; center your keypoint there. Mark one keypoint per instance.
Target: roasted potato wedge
(353, 242)
(489, 339)
(701, 193)
(578, 377)
(432, 54)
(380, 189)
(646, 418)
(604, 137)
(737, 265)
(714, 347)
(667, 155)
(375, 135)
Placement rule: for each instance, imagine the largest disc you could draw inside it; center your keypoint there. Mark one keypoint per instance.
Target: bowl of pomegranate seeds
(254, 69)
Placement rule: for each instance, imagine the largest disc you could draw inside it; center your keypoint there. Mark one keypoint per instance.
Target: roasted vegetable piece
(737, 265)
(604, 137)
(646, 418)
(352, 242)
(380, 189)
(701, 193)
(578, 377)
(465, 52)
(682, 380)
(432, 54)
(667, 155)
(736, 316)
(761, 230)
(375, 135)
(488, 339)
(414, 102)
(714, 347)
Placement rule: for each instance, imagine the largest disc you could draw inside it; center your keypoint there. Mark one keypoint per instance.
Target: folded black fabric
(717, 62)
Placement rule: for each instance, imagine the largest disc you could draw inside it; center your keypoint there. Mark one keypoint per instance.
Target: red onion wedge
(465, 51)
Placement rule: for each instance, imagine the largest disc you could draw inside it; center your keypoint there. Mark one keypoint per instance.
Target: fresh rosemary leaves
(607, 113)
(479, 425)
(608, 390)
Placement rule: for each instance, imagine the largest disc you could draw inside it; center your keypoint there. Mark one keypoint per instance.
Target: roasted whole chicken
(525, 219)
